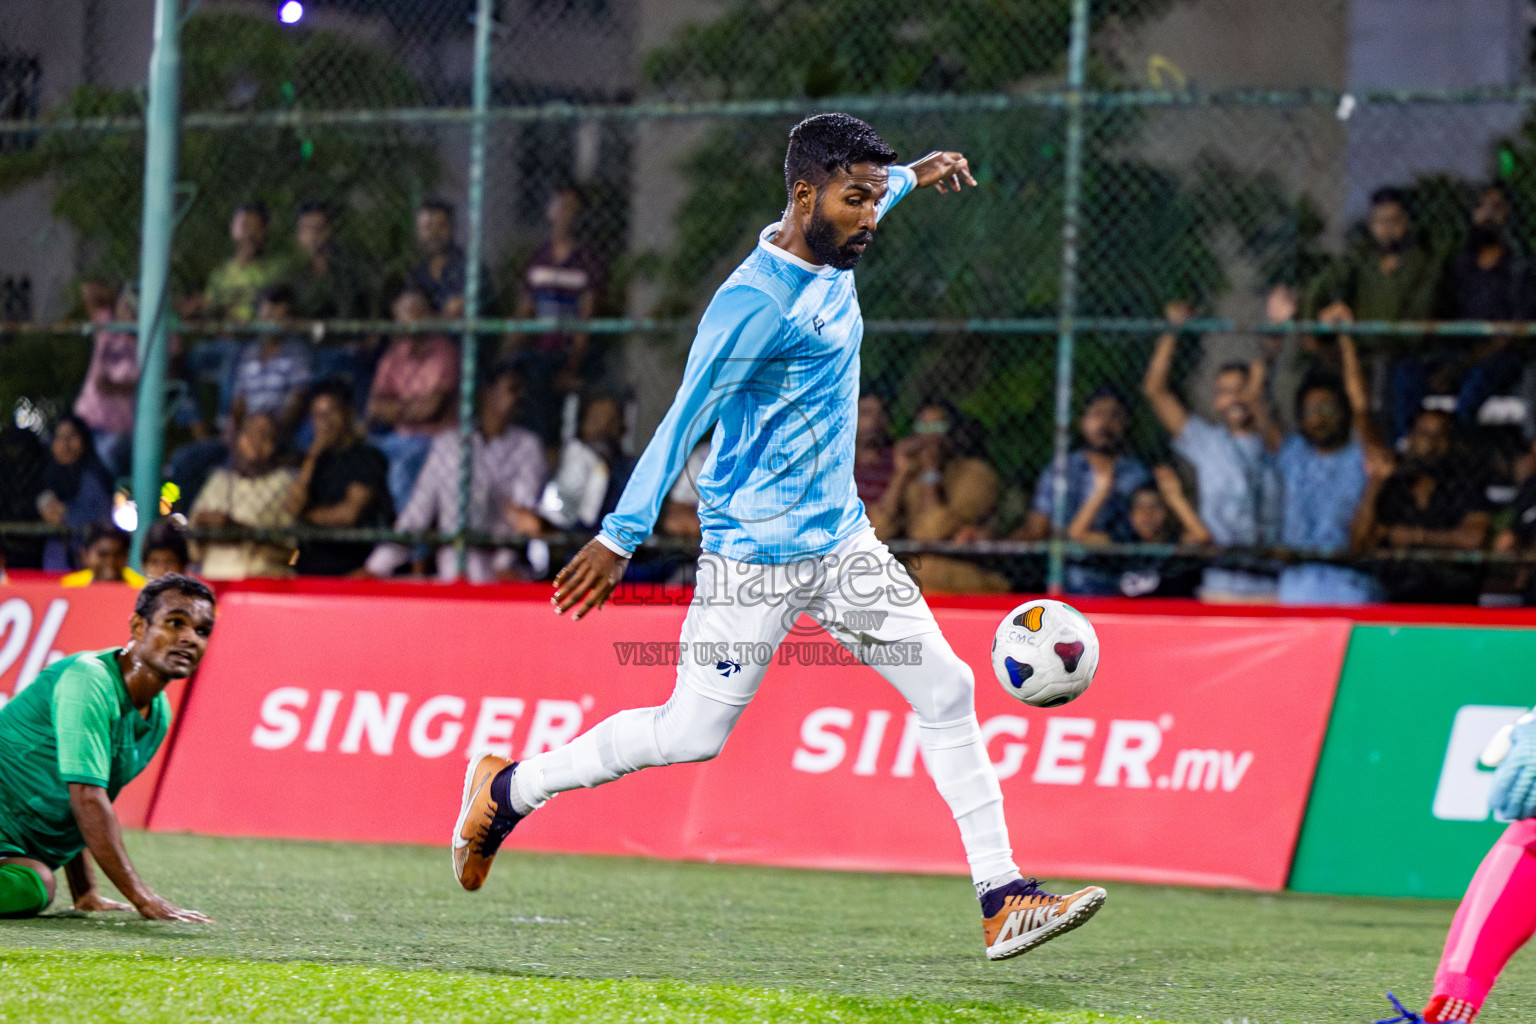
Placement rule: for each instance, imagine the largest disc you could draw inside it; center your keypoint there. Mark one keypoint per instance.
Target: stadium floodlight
(290, 12)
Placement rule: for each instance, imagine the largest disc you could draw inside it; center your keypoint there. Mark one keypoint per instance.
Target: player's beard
(821, 239)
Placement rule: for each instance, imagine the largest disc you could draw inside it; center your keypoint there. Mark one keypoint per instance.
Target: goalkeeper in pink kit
(1498, 914)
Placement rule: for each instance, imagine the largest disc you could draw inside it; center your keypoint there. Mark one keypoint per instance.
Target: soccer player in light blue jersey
(775, 370)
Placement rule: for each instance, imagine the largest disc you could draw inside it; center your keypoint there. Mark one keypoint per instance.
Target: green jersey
(75, 723)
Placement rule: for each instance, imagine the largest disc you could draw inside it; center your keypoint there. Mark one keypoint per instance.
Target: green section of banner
(1399, 806)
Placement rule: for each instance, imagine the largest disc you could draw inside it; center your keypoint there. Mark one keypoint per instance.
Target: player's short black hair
(104, 529)
(149, 597)
(333, 387)
(257, 207)
(822, 144)
(441, 206)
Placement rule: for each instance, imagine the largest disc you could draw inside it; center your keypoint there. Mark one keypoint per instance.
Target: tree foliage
(1147, 232)
(235, 63)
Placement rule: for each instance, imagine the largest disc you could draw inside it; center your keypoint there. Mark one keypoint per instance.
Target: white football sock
(957, 760)
(688, 727)
(941, 689)
(997, 882)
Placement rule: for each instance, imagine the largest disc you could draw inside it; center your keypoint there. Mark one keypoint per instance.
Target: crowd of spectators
(298, 457)
(279, 443)
(1389, 461)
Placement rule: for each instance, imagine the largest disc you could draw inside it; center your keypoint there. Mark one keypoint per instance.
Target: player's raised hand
(944, 170)
(588, 579)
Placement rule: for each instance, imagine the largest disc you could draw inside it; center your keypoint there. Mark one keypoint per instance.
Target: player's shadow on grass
(77, 922)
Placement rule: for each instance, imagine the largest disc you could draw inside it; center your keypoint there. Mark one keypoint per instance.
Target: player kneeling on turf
(75, 737)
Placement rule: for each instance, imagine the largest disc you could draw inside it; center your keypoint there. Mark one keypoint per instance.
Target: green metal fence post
(161, 129)
(1077, 64)
(474, 242)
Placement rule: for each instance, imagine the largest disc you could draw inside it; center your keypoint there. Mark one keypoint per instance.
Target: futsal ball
(1045, 653)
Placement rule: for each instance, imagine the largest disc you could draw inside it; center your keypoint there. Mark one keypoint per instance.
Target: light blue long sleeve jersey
(775, 368)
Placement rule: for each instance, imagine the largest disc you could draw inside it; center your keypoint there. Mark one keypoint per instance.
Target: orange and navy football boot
(1019, 916)
(485, 819)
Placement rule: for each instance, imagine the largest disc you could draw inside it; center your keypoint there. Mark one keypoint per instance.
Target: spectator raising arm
(1256, 394)
(1365, 532)
(1165, 404)
(1359, 394)
(1191, 529)
(1081, 528)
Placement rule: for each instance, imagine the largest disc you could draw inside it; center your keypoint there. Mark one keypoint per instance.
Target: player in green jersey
(75, 737)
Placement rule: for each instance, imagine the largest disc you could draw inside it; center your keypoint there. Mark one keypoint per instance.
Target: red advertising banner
(41, 623)
(1189, 761)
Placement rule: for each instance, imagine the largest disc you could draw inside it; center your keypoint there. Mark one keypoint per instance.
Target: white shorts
(858, 594)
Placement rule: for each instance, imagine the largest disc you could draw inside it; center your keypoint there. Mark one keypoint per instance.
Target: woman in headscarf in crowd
(76, 487)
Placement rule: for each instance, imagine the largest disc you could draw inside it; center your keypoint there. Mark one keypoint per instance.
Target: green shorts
(10, 847)
(22, 892)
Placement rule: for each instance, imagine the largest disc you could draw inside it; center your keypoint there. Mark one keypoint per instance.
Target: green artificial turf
(335, 932)
(72, 987)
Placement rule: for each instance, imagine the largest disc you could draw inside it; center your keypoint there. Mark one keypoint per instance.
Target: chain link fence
(1203, 167)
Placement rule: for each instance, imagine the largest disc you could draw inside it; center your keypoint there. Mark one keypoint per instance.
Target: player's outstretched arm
(944, 170)
(588, 579)
(739, 329)
(104, 838)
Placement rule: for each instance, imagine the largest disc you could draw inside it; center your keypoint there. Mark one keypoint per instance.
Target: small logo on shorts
(727, 667)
